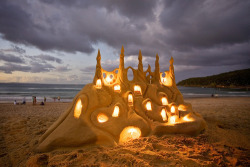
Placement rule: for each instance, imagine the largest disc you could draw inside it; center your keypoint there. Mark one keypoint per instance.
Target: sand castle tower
(114, 109)
(121, 66)
(157, 70)
(98, 72)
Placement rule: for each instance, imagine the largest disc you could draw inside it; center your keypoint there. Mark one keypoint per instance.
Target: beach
(225, 142)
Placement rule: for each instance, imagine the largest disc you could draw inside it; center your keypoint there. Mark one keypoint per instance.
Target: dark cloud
(137, 10)
(50, 58)
(10, 58)
(62, 68)
(18, 49)
(205, 23)
(88, 69)
(15, 49)
(198, 34)
(17, 25)
(29, 64)
(40, 67)
(237, 54)
(49, 27)
(8, 68)
(34, 67)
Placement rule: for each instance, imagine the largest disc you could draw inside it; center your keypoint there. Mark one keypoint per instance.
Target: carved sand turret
(157, 70)
(98, 72)
(140, 67)
(121, 66)
(113, 109)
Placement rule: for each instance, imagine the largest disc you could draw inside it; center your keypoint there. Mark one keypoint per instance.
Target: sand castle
(114, 109)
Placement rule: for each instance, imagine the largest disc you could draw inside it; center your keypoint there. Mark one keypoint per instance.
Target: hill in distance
(233, 79)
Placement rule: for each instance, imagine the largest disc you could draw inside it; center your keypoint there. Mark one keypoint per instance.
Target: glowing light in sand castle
(187, 119)
(78, 109)
(173, 109)
(108, 79)
(130, 99)
(116, 111)
(102, 118)
(173, 119)
(163, 114)
(149, 106)
(130, 133)
(164, 101)
(117, 88)
(137, 89)
(98, 84)
(163, 80)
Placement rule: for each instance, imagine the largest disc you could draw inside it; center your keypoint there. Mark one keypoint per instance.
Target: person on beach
(24, 101)
(42, 103)
(58, 98)
(44, 99)
(33, 100)
(15, 102)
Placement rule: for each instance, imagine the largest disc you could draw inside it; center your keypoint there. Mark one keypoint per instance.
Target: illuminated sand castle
(114, 109)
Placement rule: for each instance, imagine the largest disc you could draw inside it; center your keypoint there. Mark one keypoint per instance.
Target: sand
(224, 143)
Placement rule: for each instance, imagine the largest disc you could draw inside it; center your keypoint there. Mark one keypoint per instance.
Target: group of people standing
(34, 100)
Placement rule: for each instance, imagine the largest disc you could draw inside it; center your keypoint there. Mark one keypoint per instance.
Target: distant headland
(233, 79)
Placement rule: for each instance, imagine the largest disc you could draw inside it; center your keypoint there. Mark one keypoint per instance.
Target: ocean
(18, 91)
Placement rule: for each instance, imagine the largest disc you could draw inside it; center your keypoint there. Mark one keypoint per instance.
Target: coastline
(247, 88)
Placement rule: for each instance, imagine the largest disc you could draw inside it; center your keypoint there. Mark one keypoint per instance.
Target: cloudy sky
(46, 41)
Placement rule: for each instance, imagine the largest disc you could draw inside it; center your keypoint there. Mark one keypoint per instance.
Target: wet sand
(224, 143)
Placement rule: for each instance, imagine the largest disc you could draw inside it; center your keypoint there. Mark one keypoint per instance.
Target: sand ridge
(224, 143)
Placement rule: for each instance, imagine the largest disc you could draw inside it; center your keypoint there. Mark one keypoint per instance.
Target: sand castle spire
(140, 58)
(157, 69)
(122, 50)
(171, 67)
(140, 66)
(171, 70)
(121, 66)
(98, 71)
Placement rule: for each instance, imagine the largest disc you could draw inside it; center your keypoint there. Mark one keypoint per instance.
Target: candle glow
(148, 106)
(116, 111)
(130, 133)
(130, 99)
(78, 109)
(187, 119)
(102, 118)
(173, 109)
(137, 89)
(108, 79)
(117, 88)
(164, 101)
(98, 84)
(163, 115)
(173, 119)
(163, 80)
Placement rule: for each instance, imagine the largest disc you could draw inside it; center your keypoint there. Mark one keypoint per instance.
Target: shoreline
(2, 101)
(247, 88)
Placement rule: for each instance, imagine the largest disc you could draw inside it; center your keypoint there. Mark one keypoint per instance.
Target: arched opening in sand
(78, 109)
(130, 133)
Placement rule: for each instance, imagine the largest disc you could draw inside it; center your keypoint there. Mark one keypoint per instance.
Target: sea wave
(55, 88)
(237, 92)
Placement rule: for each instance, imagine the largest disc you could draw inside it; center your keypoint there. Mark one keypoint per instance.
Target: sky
(56, 41)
